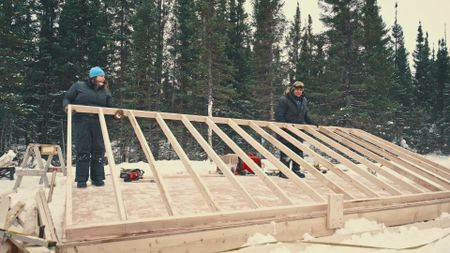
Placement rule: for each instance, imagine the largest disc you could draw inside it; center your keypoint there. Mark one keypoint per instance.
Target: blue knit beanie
(96, 71)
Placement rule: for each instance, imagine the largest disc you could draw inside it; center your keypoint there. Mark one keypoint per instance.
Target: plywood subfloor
(142, 199)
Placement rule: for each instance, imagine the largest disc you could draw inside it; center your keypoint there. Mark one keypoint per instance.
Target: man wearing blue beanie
(89, 146)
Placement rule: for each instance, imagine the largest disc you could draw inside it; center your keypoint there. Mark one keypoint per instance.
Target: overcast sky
(434, 14)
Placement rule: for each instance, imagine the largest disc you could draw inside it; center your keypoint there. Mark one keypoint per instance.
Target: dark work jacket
(291, 109)
(84, 93)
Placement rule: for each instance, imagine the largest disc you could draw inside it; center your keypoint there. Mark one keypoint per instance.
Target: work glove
(118, 115)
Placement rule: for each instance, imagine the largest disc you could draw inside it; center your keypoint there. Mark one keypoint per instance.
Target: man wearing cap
(293, 108)
(89, 146)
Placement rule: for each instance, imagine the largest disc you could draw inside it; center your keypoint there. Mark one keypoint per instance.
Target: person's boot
(98, 183)
(299, 173)
(81, 184)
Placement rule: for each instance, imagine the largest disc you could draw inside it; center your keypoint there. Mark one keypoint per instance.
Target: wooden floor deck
(367, 177)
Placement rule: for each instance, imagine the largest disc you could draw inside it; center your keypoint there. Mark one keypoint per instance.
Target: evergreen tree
(442, 77)
(316, 90)
(269, 27)
(401, 91)
(378, 76)
(120, 46)
(44, 95)
(17, 30)
(143, 78)
(185, 53)
(239, 54)
(305, 62)
(343, 67)
(84, 34)
(441, 97)
(293, 43)
(423, 75)
(421, 123)
(216, 66)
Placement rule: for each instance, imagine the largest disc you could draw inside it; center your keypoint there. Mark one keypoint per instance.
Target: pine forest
(216, 57)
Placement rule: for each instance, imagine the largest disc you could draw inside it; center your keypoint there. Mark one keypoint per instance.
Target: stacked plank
(19, 236)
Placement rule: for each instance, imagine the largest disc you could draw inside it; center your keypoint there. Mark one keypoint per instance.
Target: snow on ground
(362, 236)
(435, 240)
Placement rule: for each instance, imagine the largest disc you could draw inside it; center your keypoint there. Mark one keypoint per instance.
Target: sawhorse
(37, 151)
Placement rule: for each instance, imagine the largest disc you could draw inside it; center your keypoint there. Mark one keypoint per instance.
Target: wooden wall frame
(403, 182)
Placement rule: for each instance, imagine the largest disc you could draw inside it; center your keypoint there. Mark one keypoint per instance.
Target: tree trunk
(210, 94)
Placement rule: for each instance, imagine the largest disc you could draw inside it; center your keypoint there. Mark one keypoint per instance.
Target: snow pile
(258, 238)
(280, 250)
(7, 159)
(387, 240)
(402, 239)
(359, 225)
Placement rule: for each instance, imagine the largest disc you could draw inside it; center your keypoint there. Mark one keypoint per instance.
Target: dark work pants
(284, 158)
(89, 148)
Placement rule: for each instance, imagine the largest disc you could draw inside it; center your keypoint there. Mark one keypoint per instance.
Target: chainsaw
(129, 175)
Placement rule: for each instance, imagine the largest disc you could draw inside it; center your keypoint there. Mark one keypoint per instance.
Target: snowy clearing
(359, 233)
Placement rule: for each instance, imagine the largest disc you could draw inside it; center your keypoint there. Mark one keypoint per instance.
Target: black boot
(98, 182)
(81, 184)
(299, 173)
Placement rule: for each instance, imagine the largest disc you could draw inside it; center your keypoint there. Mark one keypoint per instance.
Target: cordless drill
(129, 175)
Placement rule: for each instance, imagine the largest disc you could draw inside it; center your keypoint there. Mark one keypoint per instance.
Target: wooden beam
(70, 180)
(390, 176)
(45, 216)
(364, 189)
(394, 214)
(397, 151)
(112, 166)
(373, 154)
(333, 186)
(37, 155)
(424, 162)
(271, 158)
(52, 186)
(4, 208)
(371, 178)
(48, 162)
(278, 164)
(353, 206)
(187, 164)
(219, 163)
(211, 240)
(61, 161)
(31, 172)
(436, 179)
(255, 168)
(14, 213)
(171, 116)
(152, 164)
(335, 211)
(27, 156)
(178, 224)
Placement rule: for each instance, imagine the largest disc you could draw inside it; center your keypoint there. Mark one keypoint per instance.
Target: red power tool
(243, 169)
(129, 175)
